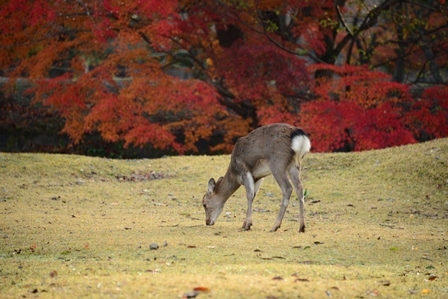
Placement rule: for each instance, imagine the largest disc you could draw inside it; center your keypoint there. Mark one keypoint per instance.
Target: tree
(342, 120)
(428, 116)
(173, 73)
(408, 38)
(104, 66)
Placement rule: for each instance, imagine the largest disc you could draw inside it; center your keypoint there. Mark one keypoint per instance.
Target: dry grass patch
(74, 227)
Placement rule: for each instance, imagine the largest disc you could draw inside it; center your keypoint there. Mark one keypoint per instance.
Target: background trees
(178, 73)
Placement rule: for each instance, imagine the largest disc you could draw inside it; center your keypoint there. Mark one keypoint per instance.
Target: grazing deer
(276, 149)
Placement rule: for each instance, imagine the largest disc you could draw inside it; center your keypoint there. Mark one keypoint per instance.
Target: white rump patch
(301, 145)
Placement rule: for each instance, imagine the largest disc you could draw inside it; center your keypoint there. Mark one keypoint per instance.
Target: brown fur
(266, 150)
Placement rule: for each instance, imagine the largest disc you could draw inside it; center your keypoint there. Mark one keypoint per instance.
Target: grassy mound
(74, 227)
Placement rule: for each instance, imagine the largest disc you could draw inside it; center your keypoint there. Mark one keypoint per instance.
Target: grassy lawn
(82, 227)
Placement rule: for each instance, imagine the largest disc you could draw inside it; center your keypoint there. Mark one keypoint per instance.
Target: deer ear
(220, 179)
(211, 185)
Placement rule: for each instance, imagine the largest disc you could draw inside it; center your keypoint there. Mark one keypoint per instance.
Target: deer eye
(205, 206)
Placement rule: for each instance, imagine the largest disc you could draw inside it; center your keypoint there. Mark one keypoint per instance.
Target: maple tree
(173, 73)
(344, 121)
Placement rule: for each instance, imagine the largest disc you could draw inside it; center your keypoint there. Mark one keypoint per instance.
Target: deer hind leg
(283, 182)
(294, 174)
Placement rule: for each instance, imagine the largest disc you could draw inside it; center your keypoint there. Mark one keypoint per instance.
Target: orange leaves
(114, 67)
(144, 131)
(148, 109)
(16, 15)
(103, 65)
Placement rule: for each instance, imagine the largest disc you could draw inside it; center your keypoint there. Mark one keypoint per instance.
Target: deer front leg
(284, 184)
(248, 182)
(250, 199)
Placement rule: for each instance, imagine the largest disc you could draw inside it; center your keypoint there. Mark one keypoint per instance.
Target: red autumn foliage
(428, 116)
(342, 120)
(175, 73)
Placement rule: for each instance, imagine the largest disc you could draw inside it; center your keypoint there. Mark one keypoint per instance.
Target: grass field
(82, 227)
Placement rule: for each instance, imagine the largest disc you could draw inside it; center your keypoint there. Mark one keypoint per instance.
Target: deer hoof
(246, 226)
(275, 228)
(302, 229)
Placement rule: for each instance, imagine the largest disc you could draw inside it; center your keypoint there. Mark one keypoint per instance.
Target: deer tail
(300, 144)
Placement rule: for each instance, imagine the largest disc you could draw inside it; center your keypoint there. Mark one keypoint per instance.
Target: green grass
(377, 226)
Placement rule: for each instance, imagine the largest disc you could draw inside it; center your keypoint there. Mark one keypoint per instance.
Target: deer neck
(228, 185)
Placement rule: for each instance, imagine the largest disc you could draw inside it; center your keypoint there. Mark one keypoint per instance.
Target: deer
(276, 149)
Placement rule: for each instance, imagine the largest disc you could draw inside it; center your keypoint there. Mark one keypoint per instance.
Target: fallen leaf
(432, 277)
(53, 274)
(302, 279)
(201, 289)
(385, 282)
(196, 291)
(278, 278)
(425, 291)
(318, 243)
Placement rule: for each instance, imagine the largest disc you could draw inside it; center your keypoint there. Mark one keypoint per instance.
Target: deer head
(213, 202)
